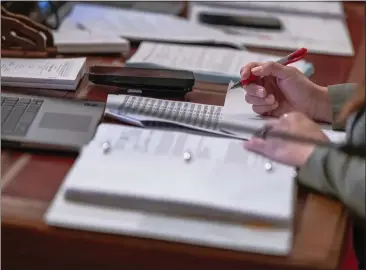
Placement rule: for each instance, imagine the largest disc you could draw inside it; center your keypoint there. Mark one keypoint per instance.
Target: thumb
(274, 69)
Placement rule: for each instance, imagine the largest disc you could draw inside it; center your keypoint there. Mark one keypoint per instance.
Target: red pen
(291, 58)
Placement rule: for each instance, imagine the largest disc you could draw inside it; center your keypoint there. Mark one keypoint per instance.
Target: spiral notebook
(164, 114)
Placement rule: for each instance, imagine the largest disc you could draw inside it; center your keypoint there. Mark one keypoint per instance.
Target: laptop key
(12, 120)
(33, 109)
(5, 111)
(24, 101)
(21, 129)
(12, 98)
(10, 102)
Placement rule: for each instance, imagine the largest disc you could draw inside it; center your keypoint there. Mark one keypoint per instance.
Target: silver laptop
(48, 123)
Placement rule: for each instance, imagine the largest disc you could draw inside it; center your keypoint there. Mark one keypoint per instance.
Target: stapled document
(221, 177)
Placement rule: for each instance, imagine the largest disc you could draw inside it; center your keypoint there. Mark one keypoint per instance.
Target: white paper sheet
(204, 59)
(142, 25)
(319, 34)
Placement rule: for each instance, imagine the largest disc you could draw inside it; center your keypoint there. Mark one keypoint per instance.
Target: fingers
(268, 100)
(255, 90)
(259, 98)
(246, 70)
(274, 69)
(263, 109)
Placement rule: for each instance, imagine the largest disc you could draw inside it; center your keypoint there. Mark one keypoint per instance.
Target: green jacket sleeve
(335, 173)
(338, 95)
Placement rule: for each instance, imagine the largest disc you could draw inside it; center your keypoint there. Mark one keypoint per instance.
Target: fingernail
(257, 69)
(260, 92)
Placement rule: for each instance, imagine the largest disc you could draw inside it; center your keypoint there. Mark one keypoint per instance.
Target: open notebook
(222, 196)
(216, 65)
(49, 73)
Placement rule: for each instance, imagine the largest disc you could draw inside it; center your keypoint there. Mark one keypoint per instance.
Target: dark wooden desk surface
(29, 181)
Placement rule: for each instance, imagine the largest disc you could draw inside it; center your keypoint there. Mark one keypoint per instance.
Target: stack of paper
(217, 65)
(59, 73)
(222, 196)
(82, 41)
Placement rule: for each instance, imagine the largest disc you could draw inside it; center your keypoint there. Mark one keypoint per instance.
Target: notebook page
(141, 108)
(201, 58)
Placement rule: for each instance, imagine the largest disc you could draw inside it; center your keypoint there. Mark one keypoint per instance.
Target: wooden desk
(29, 182)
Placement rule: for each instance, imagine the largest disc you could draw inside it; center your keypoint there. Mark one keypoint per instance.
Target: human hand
(283, 89)
(285, 151)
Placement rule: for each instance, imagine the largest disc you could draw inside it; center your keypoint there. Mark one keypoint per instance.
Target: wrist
(323, 107)
(303, 155)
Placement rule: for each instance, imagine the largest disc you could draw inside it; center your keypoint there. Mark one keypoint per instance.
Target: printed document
(59, 73)
(209, 64)
(220, 177)
(143, 25)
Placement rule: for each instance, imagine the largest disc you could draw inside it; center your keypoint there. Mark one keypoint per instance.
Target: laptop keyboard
(17, 114)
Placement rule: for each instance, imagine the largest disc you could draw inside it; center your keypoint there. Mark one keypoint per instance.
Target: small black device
(147, 82)
(227, 20)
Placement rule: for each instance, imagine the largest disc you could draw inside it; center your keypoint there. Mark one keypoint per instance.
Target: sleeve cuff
(338, 95)
(312, 173)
